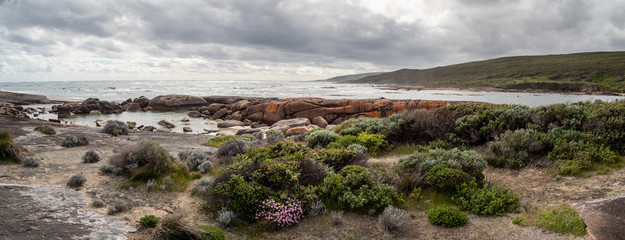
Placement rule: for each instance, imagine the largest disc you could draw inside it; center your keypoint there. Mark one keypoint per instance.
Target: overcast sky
(287, 40)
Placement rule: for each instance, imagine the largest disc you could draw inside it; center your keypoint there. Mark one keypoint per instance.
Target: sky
(287, 40)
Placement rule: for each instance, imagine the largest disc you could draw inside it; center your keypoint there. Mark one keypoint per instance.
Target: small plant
(321, 138)
(117, 207)
(76, 181)
(358, 148)
(282, 214)
(149, 186)
(31, 161)
(149, 221)
(212, 232)
(394, 219)
(233, 147)
(317, 208)
(337, 217)
(219, 140)
(9, 151)
(203, 187)
(274, 136)
(563, 220)
(205, 166)
(45, 129)
(520, 220)
(416, 194)
(488, 200)
(74, 141)
(107, 168)
(90, 157)
(116, 128)
(225, 217)
(447, 216)
(193, 158)
(443, 177)
(172, 227)
(97, 203)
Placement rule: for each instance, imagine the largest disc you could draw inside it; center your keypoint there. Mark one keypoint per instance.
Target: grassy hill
(578, 72)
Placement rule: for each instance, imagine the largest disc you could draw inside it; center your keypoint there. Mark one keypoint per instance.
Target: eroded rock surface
(53, 212)
(605, 217)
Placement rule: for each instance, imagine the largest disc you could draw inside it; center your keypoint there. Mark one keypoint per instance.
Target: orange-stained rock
(299, 130)
(298, 106)
(274, 112)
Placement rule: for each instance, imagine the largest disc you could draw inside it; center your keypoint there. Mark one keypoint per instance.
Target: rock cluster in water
(268, 111)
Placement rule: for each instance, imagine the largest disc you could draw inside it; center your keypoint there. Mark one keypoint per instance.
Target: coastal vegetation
(9, 151)
(578, 72)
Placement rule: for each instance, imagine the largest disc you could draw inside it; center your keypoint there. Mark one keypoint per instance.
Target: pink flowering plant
(283, 214)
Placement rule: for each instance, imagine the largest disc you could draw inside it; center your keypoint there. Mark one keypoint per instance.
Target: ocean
(121, 90)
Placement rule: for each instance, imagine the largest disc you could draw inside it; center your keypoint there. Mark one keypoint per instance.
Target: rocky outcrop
(176, 102)
(23, 99)
(604, 217)
(320, 112)
(13, 110)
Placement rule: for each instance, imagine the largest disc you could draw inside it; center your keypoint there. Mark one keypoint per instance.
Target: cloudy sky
(287, 40)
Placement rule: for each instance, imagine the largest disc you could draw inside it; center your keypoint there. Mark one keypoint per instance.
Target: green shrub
(240, 196)
(487, 200)
(219, 140)
(321, 138)
(358, 148)
(90, 157)
(352, 190)
(469, 161)
(274, 136)
(116, 128)
(212, 232)
(447, 216)
(375, 143)
(9, 151)
(149, 221)
(420, 126)
(74, 141)
(563, 220)
(515, 149)
(574, 158)
(571, 116)
(337, 158)
(45, 129)
(76, 181)
(356, 126)
(394, 219)
(233, 147)
(443, 177)
(289, 150)
(31, 161)
(193, 159)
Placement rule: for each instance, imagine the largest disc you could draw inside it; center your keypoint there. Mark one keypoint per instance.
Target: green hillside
(579, 72)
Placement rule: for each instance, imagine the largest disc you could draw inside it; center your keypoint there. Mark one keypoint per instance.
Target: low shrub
(107, 168)
(468, 161)
(233, 147)
(321, 138)
(445, 178)
(74, 141)
(194, 159)
(283, 214)
(358, 148)
(212, 232)
(420, 126)
(90, 157)
(225, 217)
(149, 221)
(357, 126)
(352, 189)
(394, 219)
(283, 150)
(241, 196)
(118, 206)
(97, 203)
(76, 181)
(563, 220)
(115, 128)
(487, 200)
(316, 208)
(31, 161)
(172, 227)
(373, 143)
(9, 151)
(221, 139)
(274, 136)
(574, 158)
(337, 158)
(45, 129)
(205, 166)
(337, 217)
(516, 149)
(447, 216)
(203, 187)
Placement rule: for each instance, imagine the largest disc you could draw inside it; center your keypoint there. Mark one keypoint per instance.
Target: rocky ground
(40, 206)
